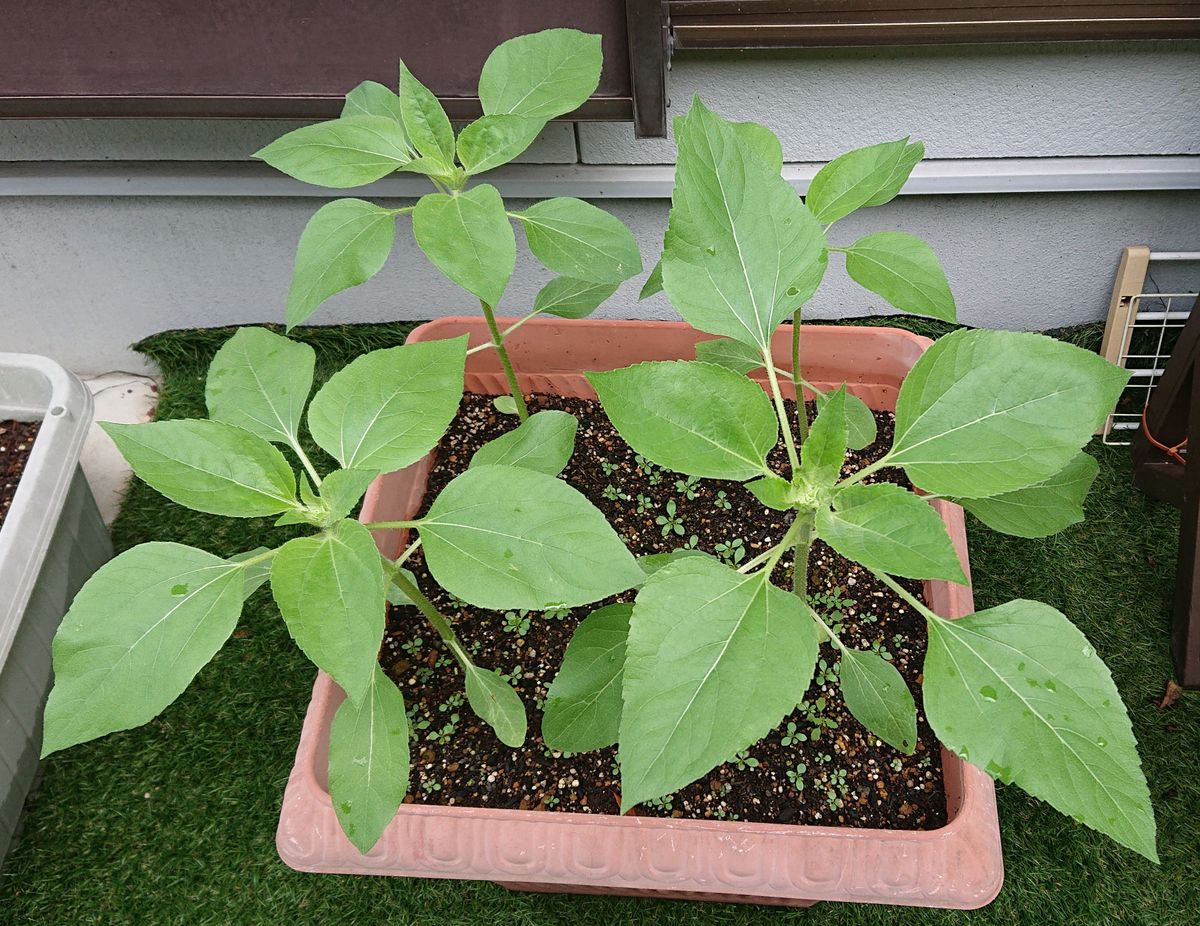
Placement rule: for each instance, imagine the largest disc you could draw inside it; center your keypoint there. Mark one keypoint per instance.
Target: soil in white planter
(16, 443)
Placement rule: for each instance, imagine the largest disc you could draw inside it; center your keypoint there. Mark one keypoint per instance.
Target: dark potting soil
(820, 766)
(16, 443)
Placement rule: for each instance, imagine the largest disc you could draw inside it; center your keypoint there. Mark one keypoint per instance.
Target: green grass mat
(174, 823)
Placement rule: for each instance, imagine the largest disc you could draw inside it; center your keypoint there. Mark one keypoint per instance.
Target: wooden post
(1130, 282)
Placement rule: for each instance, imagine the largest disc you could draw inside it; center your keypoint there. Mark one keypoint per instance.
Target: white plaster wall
(962, 101)
(85, 277)
(193, 140)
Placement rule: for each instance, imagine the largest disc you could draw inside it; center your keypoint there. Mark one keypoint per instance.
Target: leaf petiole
(777, 396)
(908, 597)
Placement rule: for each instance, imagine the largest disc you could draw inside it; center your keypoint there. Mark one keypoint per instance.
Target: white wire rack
(1142, 329)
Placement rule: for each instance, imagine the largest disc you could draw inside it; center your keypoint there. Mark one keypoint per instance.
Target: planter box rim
(427, 840)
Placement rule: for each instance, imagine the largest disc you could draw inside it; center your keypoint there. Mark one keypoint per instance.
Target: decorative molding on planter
(958, 865)
(588, 181)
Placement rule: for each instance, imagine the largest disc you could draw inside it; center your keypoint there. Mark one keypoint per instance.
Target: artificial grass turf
(173, 823)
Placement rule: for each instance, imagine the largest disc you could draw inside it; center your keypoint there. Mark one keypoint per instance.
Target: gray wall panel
(82, 278)
(964, 101)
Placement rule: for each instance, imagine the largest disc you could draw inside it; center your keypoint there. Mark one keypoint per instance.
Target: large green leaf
(570, 298)
(858, 178)
(368, 761)
(913, 152)
(761, 142)
(580, 240)
(494, 140)
(583, 705)
(506, 537)
(734, 355)
(342, 489)
(860, 420)
(878, 697)
(344, 244)
(136, 635)
(208, 466)
(1019, 692)
(371, 98)
(543, 442)
(691, 417)
(890, 529)
(1042, 509)
(824, 451)
(425, 122)
(260, 381)
(542, 75)
(741, 252)
(389, 408)
(340, 153)
(494, 700)
(985, 412)
(330, 591)
(468, 238)
(904, 270)
(715, 660)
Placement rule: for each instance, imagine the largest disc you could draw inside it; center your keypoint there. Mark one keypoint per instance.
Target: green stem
(801, 414)
(390, 525)
(864, 472)
(803, 544)
(502, 353)
(308, 466)
(507, 331)
(412, 548)
(435, 617)
(907, 596)
(781, 412)
(256, 559)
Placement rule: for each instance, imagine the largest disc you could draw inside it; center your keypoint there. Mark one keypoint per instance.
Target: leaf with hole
(583, 705)
(691, 417)
(389, 408)
(505, 537)
(543, 442)
(691, 700)
(369, 761)
(260, 382)
(208, 466)
(134, 638)
(1018, 691)
(330, 591)
(984, 412)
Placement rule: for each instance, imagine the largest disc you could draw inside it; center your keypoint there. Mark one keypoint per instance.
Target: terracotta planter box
(958, 865)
